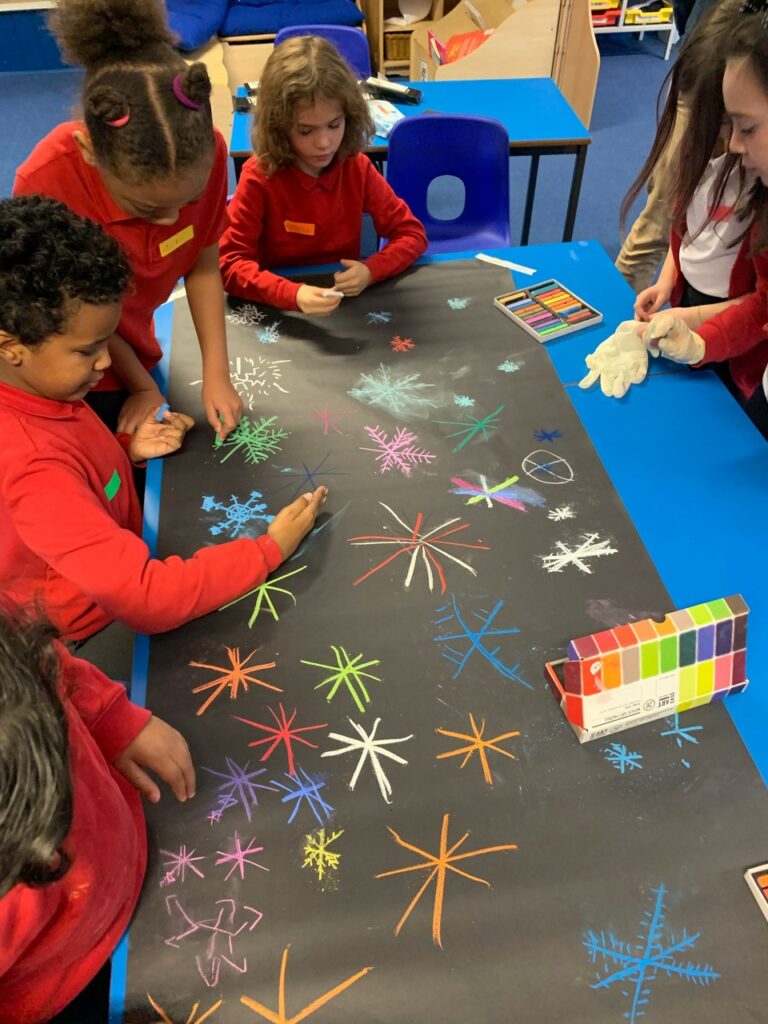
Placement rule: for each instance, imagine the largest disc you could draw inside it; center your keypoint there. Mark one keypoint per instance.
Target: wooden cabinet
(391, 44)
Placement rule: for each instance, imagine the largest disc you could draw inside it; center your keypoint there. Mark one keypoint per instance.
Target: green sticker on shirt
(113, 485)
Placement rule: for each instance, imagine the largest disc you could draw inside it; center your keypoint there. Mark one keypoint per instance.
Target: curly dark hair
(140, 129)
(300, 71)
(35, 784)
(49, 259)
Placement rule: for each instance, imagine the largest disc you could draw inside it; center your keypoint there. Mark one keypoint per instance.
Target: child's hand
(650, 300)
(165, 752)
(135, 408)
(293, 522)
(220, 397)
(315, 301)
(152, 440)
(354, 279)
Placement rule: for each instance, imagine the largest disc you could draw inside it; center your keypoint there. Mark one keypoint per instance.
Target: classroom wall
(26, 44)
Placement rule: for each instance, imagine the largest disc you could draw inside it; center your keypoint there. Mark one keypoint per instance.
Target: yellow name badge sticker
(176, 241)
(295, 227)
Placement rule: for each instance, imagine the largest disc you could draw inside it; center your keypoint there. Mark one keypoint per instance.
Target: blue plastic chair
(473, 149)
(351, 43)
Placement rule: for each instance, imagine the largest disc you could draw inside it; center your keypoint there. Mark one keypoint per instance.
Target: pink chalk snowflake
(399, 452)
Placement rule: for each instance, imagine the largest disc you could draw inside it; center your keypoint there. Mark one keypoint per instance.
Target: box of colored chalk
(643, 670)
(547, 310)
(757, 880)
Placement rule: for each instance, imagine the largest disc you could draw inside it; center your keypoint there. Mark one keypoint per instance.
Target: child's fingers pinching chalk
(331, 293)
(160, 414)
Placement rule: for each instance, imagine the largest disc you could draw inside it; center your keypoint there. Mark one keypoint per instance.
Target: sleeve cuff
(273, 556)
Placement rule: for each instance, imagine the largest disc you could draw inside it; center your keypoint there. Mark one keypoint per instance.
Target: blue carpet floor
(622, 128)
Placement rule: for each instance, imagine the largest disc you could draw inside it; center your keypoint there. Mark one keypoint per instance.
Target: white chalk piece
(331, 293)
(504, 263)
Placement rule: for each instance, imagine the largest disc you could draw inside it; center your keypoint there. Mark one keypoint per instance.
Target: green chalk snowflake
(255, 439)
(347, 671)
(400, 394)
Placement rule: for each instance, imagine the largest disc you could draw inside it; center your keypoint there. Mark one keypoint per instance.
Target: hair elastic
(120, 122)
(182, 97)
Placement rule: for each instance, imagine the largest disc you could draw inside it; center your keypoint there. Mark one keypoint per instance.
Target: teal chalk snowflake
(255, 439)
(270, 334)
(622, 758)
(510, 366)
(400, 394)
(459, 303)
(473, 427)
(463, 401)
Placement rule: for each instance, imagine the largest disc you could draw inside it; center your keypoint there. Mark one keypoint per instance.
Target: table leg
(573, 198)
(529, 197)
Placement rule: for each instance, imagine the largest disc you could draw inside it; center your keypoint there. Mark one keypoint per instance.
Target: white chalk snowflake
(255, 375)
(270, 334)
(370, 748)
(561, 512)
(246, 316)
(399, 452)
(459, 303)
(590, 547)
(463, 401)
(379, 317)
(510, 366)
(399, 394)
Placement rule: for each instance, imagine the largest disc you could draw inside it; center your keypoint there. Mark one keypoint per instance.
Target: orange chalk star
(191, 1019)
(239, 674)
(437, 866)
(477, 745)
(280, 1017)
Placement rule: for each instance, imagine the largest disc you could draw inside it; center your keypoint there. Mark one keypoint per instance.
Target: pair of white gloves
(622, 359)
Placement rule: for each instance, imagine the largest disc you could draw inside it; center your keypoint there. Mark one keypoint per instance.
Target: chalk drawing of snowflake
(590, 547)
(633, 966)
(191, 1019)
(682, 734)
(177, 864)
(281, 1016)
(557, 515)
(239, 786)
(270, 334)
(380, 317)
(216, 934)
(431, 546)
(349, 672)
(547, 468)
(246, 316)
(459, 303)
(326, 418)
(305, 789)
(399, 394)
(238, 856)
(255, 376)
(547, 435)
(236, 515)
(476, 638)
(256, 440)
(305, 479)
(399, 344)
(504, 493)
(399, 452)
(463, 401)
(510, 366)
(317, 852)
(238, 674)
(370, 749)
(264, 593)
(622, 758)
(473, 427)
(283, 731)
(478, 744)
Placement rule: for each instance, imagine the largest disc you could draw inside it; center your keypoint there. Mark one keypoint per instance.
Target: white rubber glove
(669, 336)
(619, 361)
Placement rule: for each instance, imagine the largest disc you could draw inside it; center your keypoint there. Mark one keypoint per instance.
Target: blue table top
(533, 110)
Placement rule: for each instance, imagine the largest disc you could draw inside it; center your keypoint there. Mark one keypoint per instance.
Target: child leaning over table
(301, 199)
(74, 755)
(70, 521)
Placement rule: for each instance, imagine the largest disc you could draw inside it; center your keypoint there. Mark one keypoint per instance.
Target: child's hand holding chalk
(318, 301)
(354, 279)
(161, 433)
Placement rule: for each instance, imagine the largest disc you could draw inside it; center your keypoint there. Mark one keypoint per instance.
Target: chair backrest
(352, 43)
(473, 149)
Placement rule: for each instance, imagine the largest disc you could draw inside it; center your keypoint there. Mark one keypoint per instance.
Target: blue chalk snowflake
(634, 966)
(237, 515)
(459, 303)
(475, 638)
(381, 317)
(270, 334)
(307, 478)
(622, 758)
(464, 401)
(400, 394)
(256, 439)
(305, 788)
(681, 733)
(509, 366)
(547, 435)
(238, 786)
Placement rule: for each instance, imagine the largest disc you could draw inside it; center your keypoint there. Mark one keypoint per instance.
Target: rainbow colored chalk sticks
(643, 670)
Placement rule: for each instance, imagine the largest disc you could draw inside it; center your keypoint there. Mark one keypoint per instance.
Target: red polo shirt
(159, 255)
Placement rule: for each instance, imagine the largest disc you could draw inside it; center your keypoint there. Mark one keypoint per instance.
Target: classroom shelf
(649, 26)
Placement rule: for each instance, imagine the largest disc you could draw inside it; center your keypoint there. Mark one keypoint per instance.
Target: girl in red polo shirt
(146, 164)
(302, 198)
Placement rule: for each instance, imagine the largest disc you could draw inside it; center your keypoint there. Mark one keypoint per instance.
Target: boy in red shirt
(73, 849)
(70, 521)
